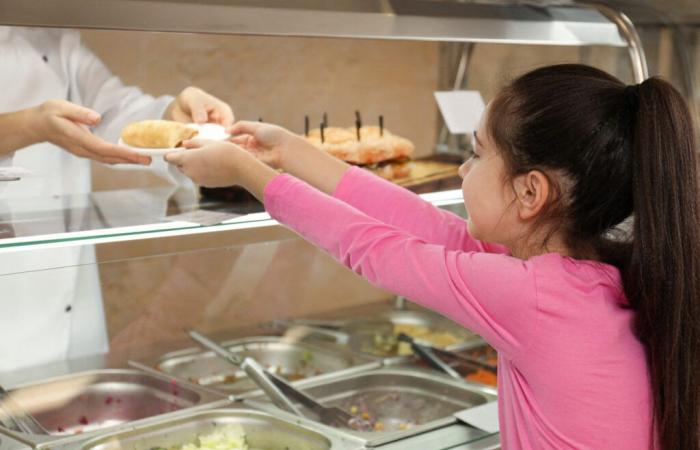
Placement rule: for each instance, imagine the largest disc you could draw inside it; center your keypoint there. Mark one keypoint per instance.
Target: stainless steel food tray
(483, 353)
(407, 401)
(374, 334)
(7, 443)
(263, 432)
(83, 404)
(292, 360)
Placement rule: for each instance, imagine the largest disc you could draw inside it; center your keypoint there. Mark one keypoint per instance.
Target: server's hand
(66, 125)
(195, 105)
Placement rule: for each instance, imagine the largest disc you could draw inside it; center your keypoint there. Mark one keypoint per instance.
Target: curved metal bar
(640, 70)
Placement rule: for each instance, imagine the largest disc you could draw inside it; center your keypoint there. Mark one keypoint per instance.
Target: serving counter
(166, 258)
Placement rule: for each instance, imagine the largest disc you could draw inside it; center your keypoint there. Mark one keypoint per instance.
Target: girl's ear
(532, 191)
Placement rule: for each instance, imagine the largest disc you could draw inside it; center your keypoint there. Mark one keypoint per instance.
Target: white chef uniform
(52, 315)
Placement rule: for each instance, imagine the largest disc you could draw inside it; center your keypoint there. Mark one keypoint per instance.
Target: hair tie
(632, 97)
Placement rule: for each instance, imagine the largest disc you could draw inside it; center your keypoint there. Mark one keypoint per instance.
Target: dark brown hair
(625, 150)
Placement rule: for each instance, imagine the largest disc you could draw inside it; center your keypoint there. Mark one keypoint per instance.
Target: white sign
(461, 110)
(483, 417)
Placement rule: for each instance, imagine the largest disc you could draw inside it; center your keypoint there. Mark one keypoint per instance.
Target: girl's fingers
(244, 127)
(241, 140)
(193, 143)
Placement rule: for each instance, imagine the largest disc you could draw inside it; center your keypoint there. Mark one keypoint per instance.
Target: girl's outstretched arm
(374, 196)
(492, 294)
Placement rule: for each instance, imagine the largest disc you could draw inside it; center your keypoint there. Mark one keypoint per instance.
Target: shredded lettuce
(227, 437)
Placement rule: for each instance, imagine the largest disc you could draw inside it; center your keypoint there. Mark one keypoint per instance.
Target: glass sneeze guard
(121, 215)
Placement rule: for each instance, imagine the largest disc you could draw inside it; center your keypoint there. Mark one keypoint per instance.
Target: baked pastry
(393, 170)
(373, 147)
(157, 134)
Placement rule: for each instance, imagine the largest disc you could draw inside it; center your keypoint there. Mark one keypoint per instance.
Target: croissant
(157, 134)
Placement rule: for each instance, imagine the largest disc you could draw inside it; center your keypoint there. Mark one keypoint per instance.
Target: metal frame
(481, 21)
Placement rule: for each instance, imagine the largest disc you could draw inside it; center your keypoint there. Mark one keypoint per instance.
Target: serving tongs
(18, 416)
(431, 355)
(280, 391)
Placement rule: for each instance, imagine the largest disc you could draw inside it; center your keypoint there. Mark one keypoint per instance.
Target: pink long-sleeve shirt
(571, 374)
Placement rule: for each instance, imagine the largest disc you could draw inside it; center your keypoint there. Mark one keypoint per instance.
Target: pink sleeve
(402, 208)
(494, 295)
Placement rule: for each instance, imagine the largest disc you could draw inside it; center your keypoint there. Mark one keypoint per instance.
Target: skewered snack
(373, 147)
(157, 134)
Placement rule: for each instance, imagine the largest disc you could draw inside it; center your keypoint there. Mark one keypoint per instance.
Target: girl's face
(487, 196)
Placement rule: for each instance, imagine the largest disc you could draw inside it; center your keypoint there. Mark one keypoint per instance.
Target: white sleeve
(93, 85)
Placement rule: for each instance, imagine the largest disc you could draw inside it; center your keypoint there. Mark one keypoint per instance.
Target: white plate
(212, 131)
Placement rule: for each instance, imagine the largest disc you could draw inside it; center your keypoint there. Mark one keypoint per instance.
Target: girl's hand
(267, 142)
(220, 164)
(290, 152)
(198, 106)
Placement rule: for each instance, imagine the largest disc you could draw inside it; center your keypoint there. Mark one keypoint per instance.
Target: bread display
(374, 145)
(157, 134)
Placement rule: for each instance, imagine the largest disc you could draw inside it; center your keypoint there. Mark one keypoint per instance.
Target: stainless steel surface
(379, 19)
(256, 373)
(299, 332)
(17, 415)
(291, 360)
(7, 443)
(426, 353)
(263, 431)
(465, 358)
(327, 415)
(72, 406)
(647, 12)
(400, 402)
(376, 334)
(453, 437)
(476, 365)
(628, 32)
(220, 351)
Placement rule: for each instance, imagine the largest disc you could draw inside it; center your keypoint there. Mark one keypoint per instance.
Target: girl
(597, 338)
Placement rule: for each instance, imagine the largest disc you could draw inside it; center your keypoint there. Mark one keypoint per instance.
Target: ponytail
(662, 278)
(626, 150)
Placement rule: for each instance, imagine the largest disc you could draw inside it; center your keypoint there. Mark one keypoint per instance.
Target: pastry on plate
(157, 134)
